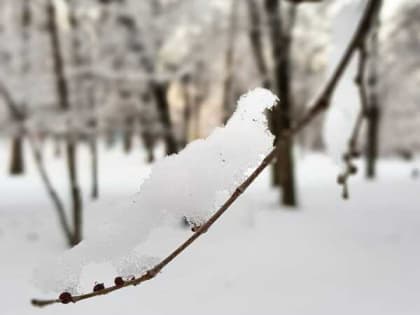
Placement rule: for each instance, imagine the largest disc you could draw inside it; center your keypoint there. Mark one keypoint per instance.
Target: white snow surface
(191, 184)
(328, 257)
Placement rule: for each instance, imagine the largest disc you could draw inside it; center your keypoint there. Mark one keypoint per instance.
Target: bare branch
(320, 104)
(51, 190)
(15, 111)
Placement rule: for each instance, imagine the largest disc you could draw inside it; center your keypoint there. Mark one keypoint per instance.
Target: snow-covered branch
(321, 103)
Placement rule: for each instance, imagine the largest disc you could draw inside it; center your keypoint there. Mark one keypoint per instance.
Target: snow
(192, 184)
(329, 257)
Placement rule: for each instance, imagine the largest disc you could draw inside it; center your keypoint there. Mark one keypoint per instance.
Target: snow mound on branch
(191, 184)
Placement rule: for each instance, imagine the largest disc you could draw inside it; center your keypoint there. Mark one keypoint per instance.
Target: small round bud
(65, 298)
(341, 179)
(346, 157)
(355, 154)
(98, 287)
(353, 169)
(195, 228)
(119, 281)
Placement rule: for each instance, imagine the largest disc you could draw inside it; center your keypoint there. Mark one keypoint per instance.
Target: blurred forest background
(144, 75)
(84, 80)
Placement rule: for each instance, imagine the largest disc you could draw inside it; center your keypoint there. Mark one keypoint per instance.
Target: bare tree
(62, 91)
(281, 118)
(373, 111)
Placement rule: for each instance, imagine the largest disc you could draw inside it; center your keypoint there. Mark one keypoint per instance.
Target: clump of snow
(191, 184)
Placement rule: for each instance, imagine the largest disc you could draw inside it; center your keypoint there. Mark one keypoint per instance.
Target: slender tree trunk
(280, 38)
(16, 157)
(256, 41)
(187, 110)
(373, 118)
(229, 62)
(75, 191)
(58, 204)
(57, 58)
(373, 113)
(17, 162)
(128, 135)
(64, 104)
(93, 145)
(159, 91)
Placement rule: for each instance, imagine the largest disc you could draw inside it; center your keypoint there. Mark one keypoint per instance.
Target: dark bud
(98, 287)
(195, 228)
(65, 298)
(341, 179)
(345, 194)
(353, 169)
(119, 281)
(355, 154)
(346, 157)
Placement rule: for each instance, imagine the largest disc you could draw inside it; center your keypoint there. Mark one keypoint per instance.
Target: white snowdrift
(191, 184)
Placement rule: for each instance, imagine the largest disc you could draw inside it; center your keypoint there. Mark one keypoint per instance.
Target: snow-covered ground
(328, 257)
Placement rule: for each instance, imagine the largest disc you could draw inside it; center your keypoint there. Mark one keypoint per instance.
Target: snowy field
(328, 257)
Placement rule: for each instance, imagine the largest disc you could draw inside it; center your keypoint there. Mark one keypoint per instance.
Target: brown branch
(352, 152)
(16, 113)
(360, 80)
(50, 190)
(316, 108)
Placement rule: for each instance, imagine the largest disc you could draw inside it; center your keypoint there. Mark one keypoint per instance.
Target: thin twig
(352, 150)
(319, 105)
(15, 111)
(51, 190)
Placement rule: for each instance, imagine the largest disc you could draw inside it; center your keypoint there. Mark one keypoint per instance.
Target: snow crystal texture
(191, 184)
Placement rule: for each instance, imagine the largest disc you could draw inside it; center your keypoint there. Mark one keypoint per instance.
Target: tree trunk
(64, 104)
(373, 113)
(128, 135)
(55, 198)
(93, 145)
(373, 117)
(57, 58)
(71, 149)
(282, 114)
(160, 94)
(256, 41)
(16, 157)
(229, 63)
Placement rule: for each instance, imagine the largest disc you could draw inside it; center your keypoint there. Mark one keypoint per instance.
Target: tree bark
(372, 144)
(93, 145)
(229, 62)
(57, 57)
(36, 152)
(128, 135)
(281, 118)
(75, 191)
(64, 104)
(159, 91)
(256, 41)
(373, 113)
(16, 157)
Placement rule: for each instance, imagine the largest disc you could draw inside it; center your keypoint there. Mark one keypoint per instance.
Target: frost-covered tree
(398, 78)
